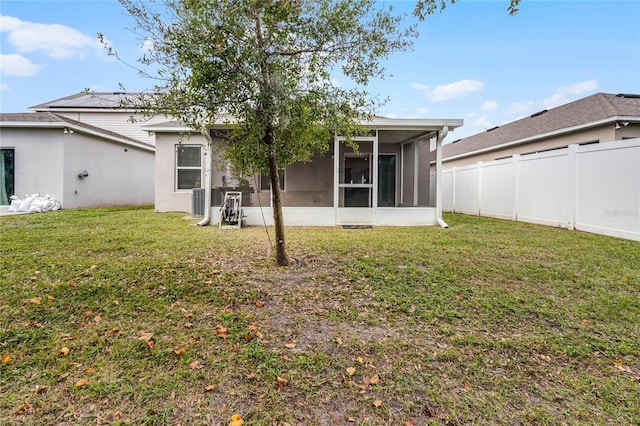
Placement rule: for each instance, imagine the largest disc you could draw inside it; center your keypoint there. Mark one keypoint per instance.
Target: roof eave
(75, 128)
(544, 136)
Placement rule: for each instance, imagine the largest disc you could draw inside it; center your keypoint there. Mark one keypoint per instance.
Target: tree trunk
(281, 253)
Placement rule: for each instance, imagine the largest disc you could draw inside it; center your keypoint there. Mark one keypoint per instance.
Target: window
(7, 175)
(188, 166)
(265, 181)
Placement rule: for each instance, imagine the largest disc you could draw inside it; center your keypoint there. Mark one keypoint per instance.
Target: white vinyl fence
(594, 188)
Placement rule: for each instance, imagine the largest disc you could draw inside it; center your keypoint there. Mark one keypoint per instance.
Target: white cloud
(489, 106)
(420, 86)
(55, 40)
(422, 111)
(457, 89)
(149, 44)
(18, 65)
(4, 87)
(565, 93)
(482, 122)
(520, 107)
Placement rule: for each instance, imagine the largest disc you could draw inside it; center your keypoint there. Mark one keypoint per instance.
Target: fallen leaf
(467, 387)
(286, 358)
(188, 325)
(338, 341)
(351, 371)
(24, 407)
(97, 318)
(253, 326)
(64, 351)
(114, 330)
(50, 297)
(6, 358)
(375, 380)
(377, 403)
(282, 382)
(145, 337)
(117, 415)
(215, 271)
(584, 322)
(208, 281)
(359, 360)
(87, 313)
(210, 388)
(194, 365)
(221, 331)
(63, 377)
(228, 309)
(259, 303)
(180, 351)
(289, 345)
(236, 420)
(250, 376)
(150, 344)
(115, 302)
(409, 422)
(34, 300)
(81, 382)
(188, 315)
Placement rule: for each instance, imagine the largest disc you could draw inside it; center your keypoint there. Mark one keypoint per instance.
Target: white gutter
(208, 157)
(441, 136)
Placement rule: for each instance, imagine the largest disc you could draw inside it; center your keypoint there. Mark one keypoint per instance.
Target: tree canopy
(268, 66)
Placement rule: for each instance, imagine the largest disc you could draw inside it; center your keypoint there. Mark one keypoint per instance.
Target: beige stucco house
(93, 163)
(599, 118)
(386, 183)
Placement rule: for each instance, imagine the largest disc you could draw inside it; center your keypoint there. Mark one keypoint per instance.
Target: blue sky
(472, 61)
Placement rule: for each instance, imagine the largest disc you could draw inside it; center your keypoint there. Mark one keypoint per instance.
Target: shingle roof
(92, 100)
(48, 117)
(597, 107)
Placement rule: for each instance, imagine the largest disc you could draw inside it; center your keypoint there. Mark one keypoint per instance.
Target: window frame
(12, 190)
(178, 168)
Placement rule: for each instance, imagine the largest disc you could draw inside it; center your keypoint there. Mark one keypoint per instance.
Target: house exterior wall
(38, 160)
(47, 161)
(119, 175)
(167, 199)
(602, 134)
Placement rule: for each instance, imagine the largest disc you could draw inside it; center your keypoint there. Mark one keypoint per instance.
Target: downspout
(441, 136)
(207, 178)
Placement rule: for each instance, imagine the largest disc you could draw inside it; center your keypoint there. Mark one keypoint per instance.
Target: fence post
(453, 188)
(572, 186)
(479, 164)
(516, 186)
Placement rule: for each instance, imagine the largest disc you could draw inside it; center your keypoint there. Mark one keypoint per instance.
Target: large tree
(268, 66)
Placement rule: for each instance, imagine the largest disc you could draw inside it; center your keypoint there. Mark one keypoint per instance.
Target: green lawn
(125, 316)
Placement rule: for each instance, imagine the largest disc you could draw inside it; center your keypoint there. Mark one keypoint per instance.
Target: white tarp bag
(34, 203)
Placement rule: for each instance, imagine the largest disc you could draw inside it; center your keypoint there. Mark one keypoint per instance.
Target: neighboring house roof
(51, 120)
(594, 110)
(90, 100)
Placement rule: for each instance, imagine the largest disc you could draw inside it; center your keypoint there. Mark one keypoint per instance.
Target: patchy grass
(487, 322)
